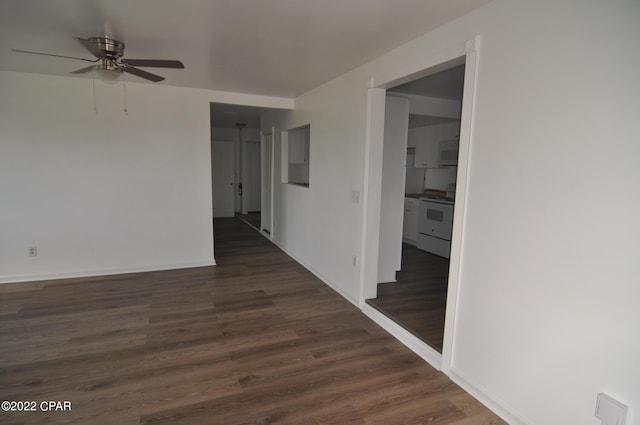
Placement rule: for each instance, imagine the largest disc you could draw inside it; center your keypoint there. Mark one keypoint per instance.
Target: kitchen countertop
(441, 200)
(430, 197)
(414, 195)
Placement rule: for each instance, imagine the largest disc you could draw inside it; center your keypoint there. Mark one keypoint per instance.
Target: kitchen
(416, 299)
(430, 187)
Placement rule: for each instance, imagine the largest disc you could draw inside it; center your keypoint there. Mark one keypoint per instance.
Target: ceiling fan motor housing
(112, 49)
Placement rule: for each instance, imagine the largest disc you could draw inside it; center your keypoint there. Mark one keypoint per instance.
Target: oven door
(436, 219)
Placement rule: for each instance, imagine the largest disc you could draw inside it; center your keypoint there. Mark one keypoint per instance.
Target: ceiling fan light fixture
(107, 71)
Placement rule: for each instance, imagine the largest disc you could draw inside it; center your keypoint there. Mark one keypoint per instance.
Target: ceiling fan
(109, 63)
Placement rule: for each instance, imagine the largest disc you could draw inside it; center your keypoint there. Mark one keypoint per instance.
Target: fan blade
(83, 70)
(154, 63)
(90, 47)
(143, 74)
(56, 56)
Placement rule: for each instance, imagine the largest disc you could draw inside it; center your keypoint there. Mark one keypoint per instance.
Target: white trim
(262, 177)
(411, 341)
(489, 400)
(270, 182)
(104, 272)
(243, 171)
(422, 66)
(284, 156)
(460, 211)
(443, 59)
(273, 181)
(371, 199)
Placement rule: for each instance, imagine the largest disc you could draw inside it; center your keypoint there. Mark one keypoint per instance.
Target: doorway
(445, 58)
(238, 126)
(251, 160)
(413, 290)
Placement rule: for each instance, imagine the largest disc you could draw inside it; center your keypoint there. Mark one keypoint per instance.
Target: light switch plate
(610, 411)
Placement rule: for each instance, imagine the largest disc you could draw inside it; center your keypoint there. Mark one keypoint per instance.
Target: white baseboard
(492, 402)
(411, 341)
(104, 272)
(317, 274)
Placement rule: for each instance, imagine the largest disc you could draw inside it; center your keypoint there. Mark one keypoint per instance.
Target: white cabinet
(410, 223)
(426, 154)
(425, 140)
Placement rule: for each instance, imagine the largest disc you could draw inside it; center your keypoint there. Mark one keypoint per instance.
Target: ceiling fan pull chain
(93, 81)
(124, 91)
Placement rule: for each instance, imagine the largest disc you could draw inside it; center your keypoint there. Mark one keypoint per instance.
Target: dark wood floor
(254, 340)
(252, 219)
(418, 299)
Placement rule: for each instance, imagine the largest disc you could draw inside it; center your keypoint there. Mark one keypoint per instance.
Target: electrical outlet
(33, 251)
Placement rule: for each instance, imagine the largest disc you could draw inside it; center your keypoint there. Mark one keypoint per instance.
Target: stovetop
(440, 199)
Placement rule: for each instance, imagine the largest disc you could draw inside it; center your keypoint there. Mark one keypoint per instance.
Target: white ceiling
(268, 47)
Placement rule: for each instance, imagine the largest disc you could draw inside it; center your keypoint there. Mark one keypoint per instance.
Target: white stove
(435, 225)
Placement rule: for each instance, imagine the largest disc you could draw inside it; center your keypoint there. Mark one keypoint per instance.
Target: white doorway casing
(448, 57)
(251, 177)
(267, 182)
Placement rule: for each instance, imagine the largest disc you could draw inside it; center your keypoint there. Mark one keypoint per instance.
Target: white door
(223, 182)
(252, 182)
(266, 183)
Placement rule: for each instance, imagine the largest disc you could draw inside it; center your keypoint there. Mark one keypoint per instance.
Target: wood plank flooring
(254, 340)
(417, 300)
(252, 219)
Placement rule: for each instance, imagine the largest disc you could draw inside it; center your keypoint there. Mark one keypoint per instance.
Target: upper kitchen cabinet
(426, 153)
(426, 140)
(435, 107)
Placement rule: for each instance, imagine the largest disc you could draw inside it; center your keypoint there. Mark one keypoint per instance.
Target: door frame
(267, 157)
(448, 57)
(248, 171)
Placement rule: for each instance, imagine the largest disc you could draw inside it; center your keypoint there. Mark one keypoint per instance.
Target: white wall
(320, 225)
(106, 192)
(548, 300)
